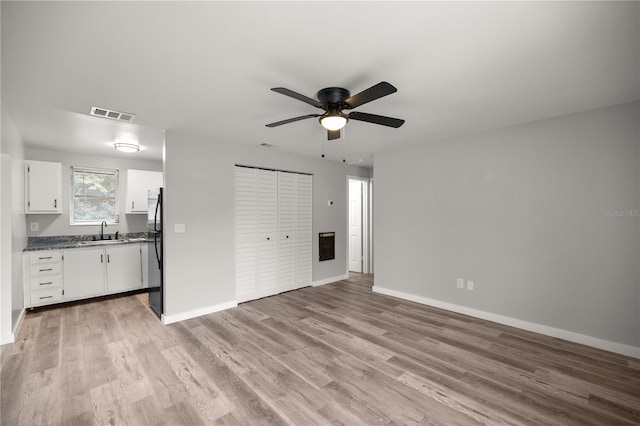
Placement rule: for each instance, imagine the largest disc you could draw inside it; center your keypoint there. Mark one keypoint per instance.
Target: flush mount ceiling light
(126, 147)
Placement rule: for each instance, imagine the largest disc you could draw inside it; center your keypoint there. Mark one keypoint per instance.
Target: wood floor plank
(334, 354)
(204, 394)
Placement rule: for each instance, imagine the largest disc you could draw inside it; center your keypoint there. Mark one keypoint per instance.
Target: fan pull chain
(344, 144)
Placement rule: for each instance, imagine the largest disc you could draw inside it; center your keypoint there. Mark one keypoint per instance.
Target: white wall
(521, 211)
(59, 224)
(199, 184)
(13, 234)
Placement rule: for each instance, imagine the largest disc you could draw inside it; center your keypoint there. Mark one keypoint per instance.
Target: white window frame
(110, 221)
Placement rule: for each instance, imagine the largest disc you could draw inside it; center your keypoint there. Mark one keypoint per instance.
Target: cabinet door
(124, 268)
(246, 230)
(43, 185)
(144, 261)
(286, 231)
(267, 232)
(304, 223)
(83, 273)
(139, 182)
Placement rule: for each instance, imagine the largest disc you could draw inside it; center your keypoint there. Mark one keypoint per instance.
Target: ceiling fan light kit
(333, 121)
(334, 99)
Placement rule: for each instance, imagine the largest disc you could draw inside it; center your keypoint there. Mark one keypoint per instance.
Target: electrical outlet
(460, 283)
(469, 285)
(180, 228)
(34, 226)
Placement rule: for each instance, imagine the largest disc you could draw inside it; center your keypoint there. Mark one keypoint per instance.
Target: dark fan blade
(376, 119)
(370, 94)
(291, 120)
(333, 134)
(298, 96)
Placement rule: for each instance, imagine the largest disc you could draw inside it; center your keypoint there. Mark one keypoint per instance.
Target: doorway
(358, 220)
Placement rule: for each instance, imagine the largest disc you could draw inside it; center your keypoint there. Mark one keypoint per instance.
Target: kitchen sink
(99, 242)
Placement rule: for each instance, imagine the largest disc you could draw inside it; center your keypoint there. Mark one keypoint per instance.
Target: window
(94, 196)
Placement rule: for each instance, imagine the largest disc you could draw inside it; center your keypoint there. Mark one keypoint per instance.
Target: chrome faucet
(102, 226)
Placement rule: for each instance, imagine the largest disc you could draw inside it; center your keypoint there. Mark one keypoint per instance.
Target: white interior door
(304, 227)
(267, 232)
(355, 225)
(246, 215)
(286, 231)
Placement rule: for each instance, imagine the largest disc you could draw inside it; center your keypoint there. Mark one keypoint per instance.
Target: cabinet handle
(268, 238)
(46, 297)
(133, 204)
(108, 259)
(55, 203)
(287, 236)
(48, 283)
(101, 259)
(42, 258)
(45, 270)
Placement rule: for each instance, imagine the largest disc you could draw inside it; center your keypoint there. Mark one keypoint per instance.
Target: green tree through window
(94, 196)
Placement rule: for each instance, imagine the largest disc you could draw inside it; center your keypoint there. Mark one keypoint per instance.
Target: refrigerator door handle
(155, 217)
(155, 244)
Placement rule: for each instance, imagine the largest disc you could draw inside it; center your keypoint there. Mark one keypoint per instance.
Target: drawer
(46, 269)
(45, 256)
(43, 297)
(46, 282)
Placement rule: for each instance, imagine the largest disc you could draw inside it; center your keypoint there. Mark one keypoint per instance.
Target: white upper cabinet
(43, 187)
(139, 182)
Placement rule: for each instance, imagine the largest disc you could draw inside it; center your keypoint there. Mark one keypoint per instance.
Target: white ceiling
(205, 68)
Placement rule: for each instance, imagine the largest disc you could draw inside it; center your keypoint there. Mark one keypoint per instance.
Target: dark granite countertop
(81, 241)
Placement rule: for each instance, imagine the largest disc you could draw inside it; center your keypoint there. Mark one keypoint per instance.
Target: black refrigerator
(156, 255)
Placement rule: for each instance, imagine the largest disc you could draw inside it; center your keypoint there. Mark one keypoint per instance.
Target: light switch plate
(470, 285)
(460, 283)
(180, 228)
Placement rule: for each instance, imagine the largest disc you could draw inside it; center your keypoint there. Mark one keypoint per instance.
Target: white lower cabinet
(54, 276)
(83, 273)
(144, 257)
(42, 277)
(124, 268)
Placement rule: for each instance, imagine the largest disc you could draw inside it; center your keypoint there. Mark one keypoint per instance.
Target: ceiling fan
(334, 99)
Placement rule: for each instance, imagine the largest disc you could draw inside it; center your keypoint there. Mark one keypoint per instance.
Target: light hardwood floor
(336, 354)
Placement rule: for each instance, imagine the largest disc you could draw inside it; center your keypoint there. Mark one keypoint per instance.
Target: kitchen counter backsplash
(72, 241)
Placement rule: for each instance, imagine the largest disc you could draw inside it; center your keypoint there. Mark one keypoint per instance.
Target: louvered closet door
(267, 232)
(286, 231)
(246, 207)
(304, 222)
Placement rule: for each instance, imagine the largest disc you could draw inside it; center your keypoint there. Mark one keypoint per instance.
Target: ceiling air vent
(114, 115)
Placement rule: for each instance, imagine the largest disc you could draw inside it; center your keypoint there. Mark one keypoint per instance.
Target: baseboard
(170, 319)
(7, 338)
(330, 280)
(514, 322)
(17, 326)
